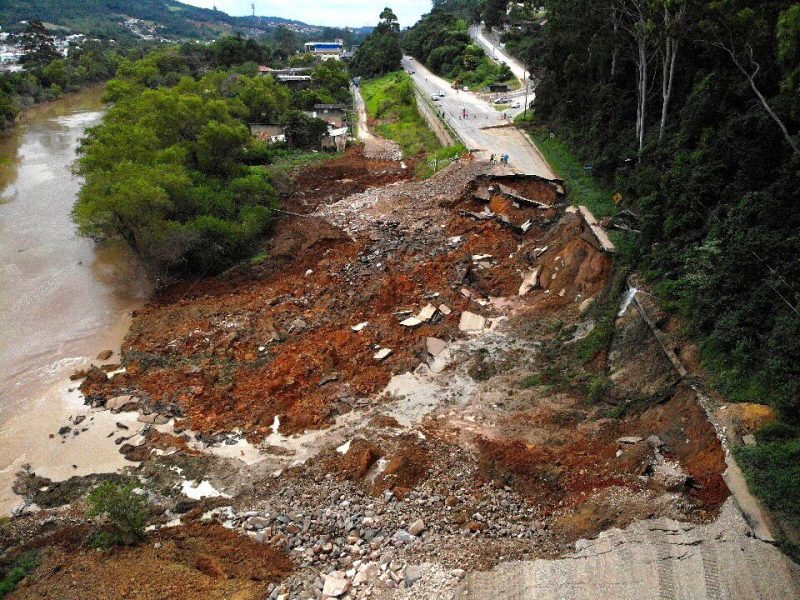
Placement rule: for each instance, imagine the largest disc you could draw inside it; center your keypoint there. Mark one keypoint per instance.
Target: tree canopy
(380, 53)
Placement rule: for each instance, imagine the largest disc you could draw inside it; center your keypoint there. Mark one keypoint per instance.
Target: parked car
(465, 89)
(411, 71)
(502, 100)
(516, 105)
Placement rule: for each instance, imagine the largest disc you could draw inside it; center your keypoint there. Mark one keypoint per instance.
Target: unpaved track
(374, 147)
(483, 128)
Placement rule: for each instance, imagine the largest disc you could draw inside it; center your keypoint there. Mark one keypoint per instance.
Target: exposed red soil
(192, 561)
(566, 470)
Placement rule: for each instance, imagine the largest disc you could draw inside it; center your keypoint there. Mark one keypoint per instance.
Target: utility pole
(253, 8)
(525, 81)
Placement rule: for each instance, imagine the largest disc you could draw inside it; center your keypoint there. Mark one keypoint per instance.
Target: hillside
(107, 18)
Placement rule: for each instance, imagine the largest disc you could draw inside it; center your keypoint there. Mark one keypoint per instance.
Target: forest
(440, 40)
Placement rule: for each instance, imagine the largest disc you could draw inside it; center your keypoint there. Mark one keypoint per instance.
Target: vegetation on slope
(706, 153)
(440, 40)
(390, 101)
(380, 53)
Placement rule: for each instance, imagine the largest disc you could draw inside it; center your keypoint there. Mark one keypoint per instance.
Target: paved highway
(497, 53)
(479, 124)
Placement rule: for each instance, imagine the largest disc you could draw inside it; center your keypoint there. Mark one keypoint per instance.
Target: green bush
(21, 569)
(125, 510)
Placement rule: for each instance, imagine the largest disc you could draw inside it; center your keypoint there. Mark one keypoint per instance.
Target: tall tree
(672, 28)
(39, 47)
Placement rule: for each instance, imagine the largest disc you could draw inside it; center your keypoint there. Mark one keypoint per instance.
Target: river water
(62, 300)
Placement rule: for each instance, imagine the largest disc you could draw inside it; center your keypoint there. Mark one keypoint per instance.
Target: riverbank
(62, 300)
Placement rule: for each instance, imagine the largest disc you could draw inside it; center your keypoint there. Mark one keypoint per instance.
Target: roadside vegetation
(703, 145)
(173, 169)
(391, 102)
(440, 40)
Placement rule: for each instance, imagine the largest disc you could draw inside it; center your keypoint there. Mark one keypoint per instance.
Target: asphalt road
(478, 123)
(496, 53)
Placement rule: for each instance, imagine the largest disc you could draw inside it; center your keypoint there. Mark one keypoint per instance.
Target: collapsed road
(404, 402)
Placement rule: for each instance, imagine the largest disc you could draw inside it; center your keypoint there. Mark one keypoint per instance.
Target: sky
(333, 13)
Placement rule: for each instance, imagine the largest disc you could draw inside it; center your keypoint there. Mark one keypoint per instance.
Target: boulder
(417, 527)
(530, 281)
(435, 346)
(123, 403)
(412, 574)
(585, 305)
(471, 322)
(335, 585)
(105, 355)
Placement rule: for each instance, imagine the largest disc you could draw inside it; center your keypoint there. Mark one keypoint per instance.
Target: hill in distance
(161, 18)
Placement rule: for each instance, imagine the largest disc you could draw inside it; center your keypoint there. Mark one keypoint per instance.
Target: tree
(673, 14)
(39, 47)
(494, 13)
(302, 131)
(264, 98)
(380, 53)
(125, 510)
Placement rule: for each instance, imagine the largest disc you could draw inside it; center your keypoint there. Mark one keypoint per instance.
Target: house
(326, 50)
(297, 82)
(335, 139)
(334, 114)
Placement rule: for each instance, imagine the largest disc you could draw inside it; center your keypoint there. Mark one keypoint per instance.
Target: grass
(438, 160)
(21, 569)
(289, 159)
(772, 471)
(390, 101)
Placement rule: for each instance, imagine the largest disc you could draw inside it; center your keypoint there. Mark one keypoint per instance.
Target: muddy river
(62, 300)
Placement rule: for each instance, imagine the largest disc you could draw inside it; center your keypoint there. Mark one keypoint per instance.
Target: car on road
(435, 97)
(411, 71)
(503, 100)
(441, 94)
(516, 105)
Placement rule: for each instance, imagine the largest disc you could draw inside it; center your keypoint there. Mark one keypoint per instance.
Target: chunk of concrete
(471, 322)
(153, 419)
(411, 322)
(426, 314)
(360, 326)
(444, 309)
(435, 346)
(530, 281)
(382, 354)
(629, 439)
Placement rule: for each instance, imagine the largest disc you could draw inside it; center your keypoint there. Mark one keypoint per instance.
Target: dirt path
(377, 148)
